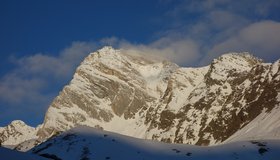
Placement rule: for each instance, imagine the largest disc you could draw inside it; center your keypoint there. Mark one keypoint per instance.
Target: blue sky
(42, 42)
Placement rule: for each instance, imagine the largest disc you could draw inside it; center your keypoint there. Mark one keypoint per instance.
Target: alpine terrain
(235, 98)
(136, 96)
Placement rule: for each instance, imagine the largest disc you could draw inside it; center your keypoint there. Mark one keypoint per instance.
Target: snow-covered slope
(156, 99)
(16, 133)
(8, 154)
(264, 126)
(88, 143)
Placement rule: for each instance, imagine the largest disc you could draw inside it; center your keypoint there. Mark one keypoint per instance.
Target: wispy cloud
(180, 51)
(217, 26)
(261, 38)
(59, 67)
(36, 79)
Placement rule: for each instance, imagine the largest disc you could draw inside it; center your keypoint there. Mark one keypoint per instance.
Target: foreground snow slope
(88, 143)
(8, 154)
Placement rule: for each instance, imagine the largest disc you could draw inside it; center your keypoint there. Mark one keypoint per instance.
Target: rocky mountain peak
(121, 58)
(124, 66)
(239, 61)
(18, 123)
(242, 56)
(16, 132)
(106, 55)
(227, 65)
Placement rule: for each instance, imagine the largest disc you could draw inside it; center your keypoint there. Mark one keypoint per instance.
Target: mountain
(15, 133)
(7, 154)
(235, 98)
(86, 143)
(155, 99)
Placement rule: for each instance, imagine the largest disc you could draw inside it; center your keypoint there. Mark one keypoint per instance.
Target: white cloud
(180, 51)
(221, 26)
(261, 38)
(221, 19)
(60, 66)
(14, 89)
(35, 74)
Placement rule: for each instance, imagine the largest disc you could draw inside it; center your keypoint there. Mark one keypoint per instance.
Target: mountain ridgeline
(156, 99)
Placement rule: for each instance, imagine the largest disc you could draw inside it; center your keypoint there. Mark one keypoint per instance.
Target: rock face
(154, 99)
(16, 133)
